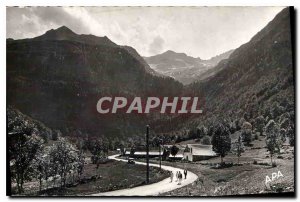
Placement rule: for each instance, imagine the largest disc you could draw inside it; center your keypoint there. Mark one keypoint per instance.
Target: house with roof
(142, 154)
(198, 152)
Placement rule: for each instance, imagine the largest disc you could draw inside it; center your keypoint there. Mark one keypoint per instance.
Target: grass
(247, 178)
(110, 176)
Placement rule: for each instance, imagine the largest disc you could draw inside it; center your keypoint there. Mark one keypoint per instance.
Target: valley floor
(117, 178)
(247, 178)
(155, 188)
(113, 175)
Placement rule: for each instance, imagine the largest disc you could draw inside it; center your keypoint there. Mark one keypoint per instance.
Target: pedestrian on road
(171, 176)
(176, 176)
(185, 173)
(179, 178)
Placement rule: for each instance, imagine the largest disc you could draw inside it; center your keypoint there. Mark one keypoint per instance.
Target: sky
(197, 31)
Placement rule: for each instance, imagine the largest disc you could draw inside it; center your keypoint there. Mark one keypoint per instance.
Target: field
(110, 176)
(249, 177)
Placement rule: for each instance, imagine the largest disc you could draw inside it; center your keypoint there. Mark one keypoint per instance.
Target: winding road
(151, 189)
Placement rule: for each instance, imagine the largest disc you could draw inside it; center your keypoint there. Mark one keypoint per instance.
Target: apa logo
(274, 177)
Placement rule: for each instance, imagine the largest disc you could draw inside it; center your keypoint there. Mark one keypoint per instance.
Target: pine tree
(174, 150)
(221, 141)
(239, 148)
(273, 139)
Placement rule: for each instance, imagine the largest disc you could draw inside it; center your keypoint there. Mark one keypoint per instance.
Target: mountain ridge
(57, 78)
(65, 33)
(256, 79)
(184, 68)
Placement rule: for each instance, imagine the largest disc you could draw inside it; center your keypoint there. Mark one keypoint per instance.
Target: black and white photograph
(150, 101)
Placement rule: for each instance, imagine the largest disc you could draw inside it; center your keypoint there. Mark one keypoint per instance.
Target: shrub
(280, 157)
(247, 136)
(263, 163)
(277, 188)
(223, 165)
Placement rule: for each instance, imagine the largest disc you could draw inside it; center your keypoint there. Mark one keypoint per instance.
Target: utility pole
(160, 154)
(147, 153)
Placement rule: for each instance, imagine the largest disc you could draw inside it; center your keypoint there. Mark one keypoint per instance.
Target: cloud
(197, 31)
(33, 21)
(58, 16)
(156, 46)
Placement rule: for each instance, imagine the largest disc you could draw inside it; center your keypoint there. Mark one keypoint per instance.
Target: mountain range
(184, 68)
(258, 79)
(57, 78)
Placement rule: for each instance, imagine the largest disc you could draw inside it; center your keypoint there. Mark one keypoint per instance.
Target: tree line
(31, 157)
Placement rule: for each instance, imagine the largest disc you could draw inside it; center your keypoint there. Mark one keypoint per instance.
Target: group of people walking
(178, 176)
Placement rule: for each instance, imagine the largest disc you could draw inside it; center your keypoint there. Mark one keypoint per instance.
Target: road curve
(151, 189)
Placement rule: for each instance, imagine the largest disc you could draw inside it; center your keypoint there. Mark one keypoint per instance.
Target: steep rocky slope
(58, 77)
(184, 68)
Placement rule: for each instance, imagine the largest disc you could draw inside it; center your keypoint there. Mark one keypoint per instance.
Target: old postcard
(150, 101)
